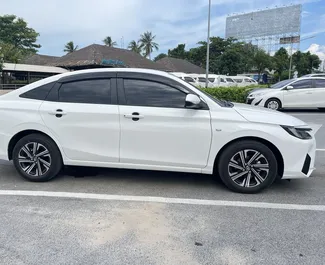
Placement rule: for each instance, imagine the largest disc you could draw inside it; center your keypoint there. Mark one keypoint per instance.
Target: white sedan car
(305, 92)
(145, 119)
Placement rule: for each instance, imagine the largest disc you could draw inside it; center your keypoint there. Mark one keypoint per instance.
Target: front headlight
(301, 133)
(255, 95)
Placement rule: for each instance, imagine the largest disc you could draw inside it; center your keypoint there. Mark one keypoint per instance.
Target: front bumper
(300, 164)
(254, 101)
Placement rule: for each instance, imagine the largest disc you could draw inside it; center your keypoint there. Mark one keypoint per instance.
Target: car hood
(263, 115)
(259, 89)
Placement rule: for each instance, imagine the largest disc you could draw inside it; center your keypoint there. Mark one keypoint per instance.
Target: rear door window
(320, 83)
(93, 91)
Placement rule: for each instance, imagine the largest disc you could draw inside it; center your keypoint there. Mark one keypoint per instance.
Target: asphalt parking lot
(144, 217)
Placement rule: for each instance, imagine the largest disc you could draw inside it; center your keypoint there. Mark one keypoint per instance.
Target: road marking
(320, 150)
(72, 195)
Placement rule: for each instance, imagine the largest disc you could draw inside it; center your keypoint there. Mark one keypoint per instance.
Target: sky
(172, 21)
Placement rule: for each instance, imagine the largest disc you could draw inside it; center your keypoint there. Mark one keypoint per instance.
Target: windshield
(281, 83)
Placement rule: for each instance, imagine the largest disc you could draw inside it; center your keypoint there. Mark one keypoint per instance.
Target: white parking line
(263, 205)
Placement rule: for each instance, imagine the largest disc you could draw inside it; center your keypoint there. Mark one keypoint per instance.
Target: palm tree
(148, 44)
(69, 47)
(108, 42)
(134, 46)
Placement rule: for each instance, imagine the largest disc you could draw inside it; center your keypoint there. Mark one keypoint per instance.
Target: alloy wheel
(248, 168)
(273, 105)
(34, 159)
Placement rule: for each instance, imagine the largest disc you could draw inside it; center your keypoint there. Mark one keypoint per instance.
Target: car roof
(55, 78)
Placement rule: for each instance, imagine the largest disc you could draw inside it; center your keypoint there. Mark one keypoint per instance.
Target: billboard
(277, 21)
(288, 40)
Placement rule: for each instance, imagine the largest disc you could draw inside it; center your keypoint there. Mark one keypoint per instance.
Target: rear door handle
(135, 116)
(58, 113)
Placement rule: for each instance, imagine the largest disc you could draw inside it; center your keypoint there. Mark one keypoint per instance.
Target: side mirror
(192, 101)
(289, 87)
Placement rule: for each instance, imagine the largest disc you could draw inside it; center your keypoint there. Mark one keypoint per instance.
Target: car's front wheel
(37, 158)
(273, 103)
(247, 166)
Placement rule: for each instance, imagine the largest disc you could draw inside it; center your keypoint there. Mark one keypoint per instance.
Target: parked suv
(145, 119)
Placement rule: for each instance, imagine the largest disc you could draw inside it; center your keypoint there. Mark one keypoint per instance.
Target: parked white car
(218, 80)
(186, 78)
(146, 119)
(306, 92)
(244, 81)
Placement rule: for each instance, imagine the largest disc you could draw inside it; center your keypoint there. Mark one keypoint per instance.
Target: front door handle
(58, 113)
(135, 116)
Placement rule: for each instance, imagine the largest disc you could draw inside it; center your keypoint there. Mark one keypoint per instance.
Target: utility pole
(208, 48)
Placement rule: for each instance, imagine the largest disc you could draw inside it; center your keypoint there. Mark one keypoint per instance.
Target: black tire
(53, 161)
(278, 102)
(226, 170)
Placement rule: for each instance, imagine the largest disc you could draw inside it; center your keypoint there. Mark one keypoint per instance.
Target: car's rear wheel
(37, 158)
(247, 166)
(273, 103)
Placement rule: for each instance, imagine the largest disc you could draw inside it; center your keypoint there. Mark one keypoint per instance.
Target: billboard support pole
(208, 48)
(290, 64)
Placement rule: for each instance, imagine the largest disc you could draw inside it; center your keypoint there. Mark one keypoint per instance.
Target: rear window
(38, 93)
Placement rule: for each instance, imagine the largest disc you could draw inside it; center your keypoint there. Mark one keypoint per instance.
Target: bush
(234, 94)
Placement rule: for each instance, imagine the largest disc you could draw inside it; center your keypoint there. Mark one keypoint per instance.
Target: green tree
(69, 47)
(281, 63)
(228, 63)
(15, 31)
(178, 52)
(147, 43)
(305, 63)
(134, 46)
(261, 61)
(108, 42)
(10, 53)
(160, 56)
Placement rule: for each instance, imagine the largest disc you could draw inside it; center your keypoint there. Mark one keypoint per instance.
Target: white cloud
(318, 50)
(86, 22)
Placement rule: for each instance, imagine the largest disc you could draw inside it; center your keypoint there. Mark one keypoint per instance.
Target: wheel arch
(276, 98)
(19, 135)
(270, 145)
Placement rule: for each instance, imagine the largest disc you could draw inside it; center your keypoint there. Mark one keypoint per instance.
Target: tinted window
(222, 80)
(152, 94)
(188, 79)
(39, 93)
(230, 80)
(302, 84)
(97, 91)
(202, 79)
(239, 80)
(211, 80)
(320, 83)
